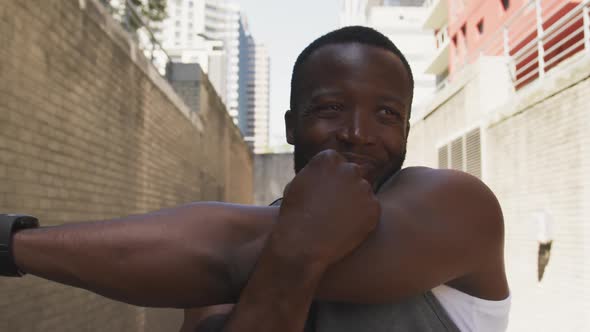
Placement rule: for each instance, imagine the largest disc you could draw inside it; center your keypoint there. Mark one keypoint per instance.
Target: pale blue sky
(286, 28)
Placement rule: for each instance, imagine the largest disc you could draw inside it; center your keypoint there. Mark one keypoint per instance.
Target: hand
(328, 210)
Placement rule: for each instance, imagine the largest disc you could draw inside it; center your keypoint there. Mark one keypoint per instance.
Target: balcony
(440, 62)
(438, 14)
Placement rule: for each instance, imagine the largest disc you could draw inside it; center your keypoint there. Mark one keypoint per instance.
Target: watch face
(26, 222)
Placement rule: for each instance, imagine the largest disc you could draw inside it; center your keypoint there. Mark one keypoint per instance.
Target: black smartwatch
(9, 224)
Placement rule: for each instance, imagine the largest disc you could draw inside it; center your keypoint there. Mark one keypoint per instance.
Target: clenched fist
(327, 211)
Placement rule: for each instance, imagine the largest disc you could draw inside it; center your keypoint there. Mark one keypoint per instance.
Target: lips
(359, 159)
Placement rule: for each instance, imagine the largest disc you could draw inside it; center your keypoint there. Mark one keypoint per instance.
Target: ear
(290, 126)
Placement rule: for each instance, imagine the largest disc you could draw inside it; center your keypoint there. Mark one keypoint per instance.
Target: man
(425, 253)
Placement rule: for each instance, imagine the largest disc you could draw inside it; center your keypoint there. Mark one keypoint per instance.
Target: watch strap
(9, 224)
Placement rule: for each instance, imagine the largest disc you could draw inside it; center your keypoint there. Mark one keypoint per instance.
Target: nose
(357, 129)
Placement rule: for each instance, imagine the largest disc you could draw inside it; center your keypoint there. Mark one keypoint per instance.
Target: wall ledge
(97, 13)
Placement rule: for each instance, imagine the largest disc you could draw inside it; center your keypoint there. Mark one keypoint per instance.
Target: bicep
(432, 230)
(424, 239)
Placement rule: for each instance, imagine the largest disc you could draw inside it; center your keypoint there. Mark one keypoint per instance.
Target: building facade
(254, 90)
(354, 12)
(206, 32)
(512, 109)
(467, 30)
(402, 22)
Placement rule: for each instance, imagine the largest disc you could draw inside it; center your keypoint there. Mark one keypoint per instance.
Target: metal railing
(538, 37)
(140, 29)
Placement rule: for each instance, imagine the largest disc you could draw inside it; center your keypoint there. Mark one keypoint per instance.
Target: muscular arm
(171, 258)
(436, 227)
(277, 296)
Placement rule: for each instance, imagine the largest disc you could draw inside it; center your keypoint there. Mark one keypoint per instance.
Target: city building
(467, 30)
(354, 12)
(511, 108)
(206, 32)
(401, 21)
(254, 90)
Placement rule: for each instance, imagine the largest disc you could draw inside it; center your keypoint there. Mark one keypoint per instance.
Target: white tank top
(470, 313)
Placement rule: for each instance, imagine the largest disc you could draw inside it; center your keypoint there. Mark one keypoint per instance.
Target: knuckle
(352, 169)
(332, 155)
(365, 184)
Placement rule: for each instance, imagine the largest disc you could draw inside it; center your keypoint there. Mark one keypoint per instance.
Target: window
(443, 157)
(457, 154)
(473, 153)
(454, 49)
(505, 4)
(463, 153)
(464, 32)
(480, 26)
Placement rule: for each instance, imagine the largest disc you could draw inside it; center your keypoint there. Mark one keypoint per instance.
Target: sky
(286, 28)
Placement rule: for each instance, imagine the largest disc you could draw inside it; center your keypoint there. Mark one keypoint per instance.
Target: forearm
(277, 296)
(170, 258)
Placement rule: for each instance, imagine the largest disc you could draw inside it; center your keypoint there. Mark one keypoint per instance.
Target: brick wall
(536, 158)
(89, 130)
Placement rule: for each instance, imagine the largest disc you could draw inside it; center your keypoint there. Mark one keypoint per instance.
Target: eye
(327, 110)
(390, 113)
(331, 107)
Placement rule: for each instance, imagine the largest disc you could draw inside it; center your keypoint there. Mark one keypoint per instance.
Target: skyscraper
(254, 90)
(206, 32)
(222, 22)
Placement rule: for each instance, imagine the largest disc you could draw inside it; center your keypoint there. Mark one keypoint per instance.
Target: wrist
(293, 262)
(19, 241)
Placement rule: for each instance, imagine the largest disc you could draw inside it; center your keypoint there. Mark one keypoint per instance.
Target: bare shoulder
(455, 186)
(451, 196)
(438, 179)
(453, 209)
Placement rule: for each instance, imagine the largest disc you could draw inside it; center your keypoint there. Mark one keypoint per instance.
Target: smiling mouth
(360, 160)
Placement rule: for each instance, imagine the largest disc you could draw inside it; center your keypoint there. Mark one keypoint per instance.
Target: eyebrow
(326, 92)
(330, 92)
(392, 98)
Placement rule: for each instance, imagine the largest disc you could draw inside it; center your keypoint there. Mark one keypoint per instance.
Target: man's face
(355, 99)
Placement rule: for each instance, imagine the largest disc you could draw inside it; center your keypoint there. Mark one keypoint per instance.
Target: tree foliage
(151, 11)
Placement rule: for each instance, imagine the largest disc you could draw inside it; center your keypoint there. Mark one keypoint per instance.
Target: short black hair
(346, 35)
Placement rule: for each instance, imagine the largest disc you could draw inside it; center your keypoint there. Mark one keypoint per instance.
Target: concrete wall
(536, 158)
(272, 172)
(89, 130)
